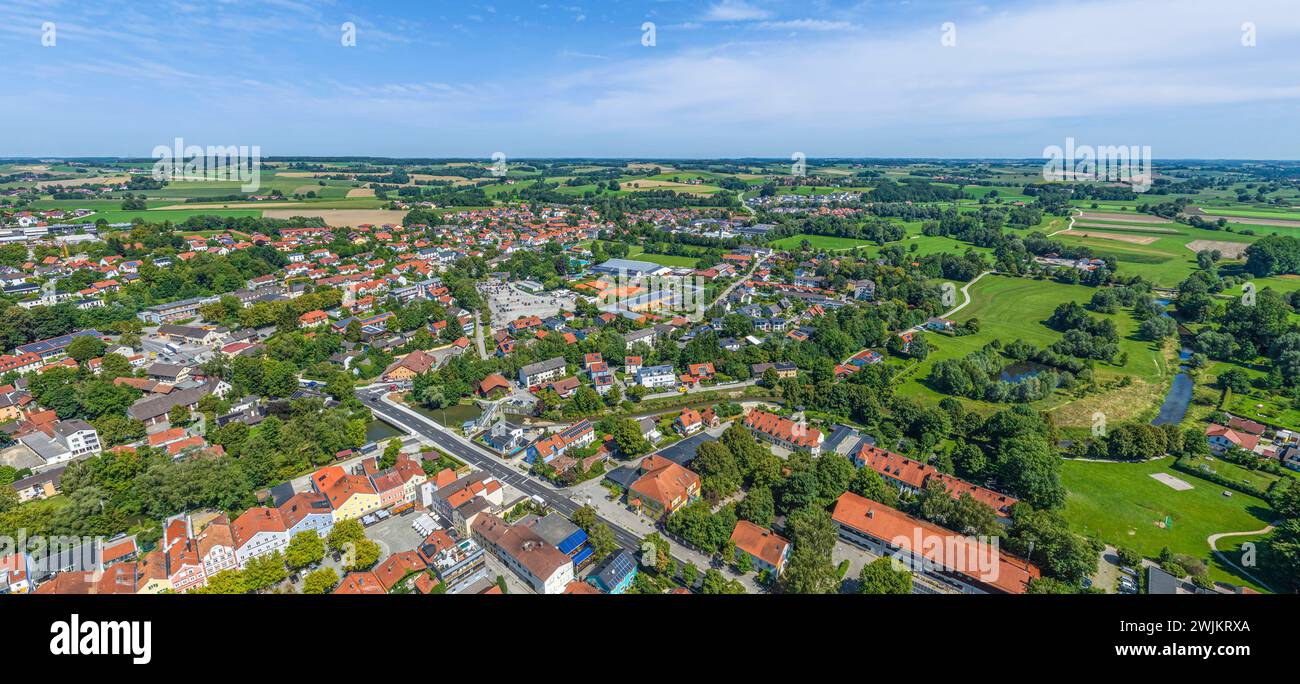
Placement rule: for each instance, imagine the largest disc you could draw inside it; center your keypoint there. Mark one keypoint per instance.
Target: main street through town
(557, 499)
(484, 460)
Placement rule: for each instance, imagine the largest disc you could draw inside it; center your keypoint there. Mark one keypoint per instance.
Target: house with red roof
(784, 432)
(766, 549)
(663, 487)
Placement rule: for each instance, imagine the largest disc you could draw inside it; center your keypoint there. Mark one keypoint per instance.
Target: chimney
(871, 513)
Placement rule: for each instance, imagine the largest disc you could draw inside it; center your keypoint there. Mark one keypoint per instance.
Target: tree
(114, 366)
(8, 498)
(1061, 553)
(690, 573)
(810, 569)
(1029, 468)
(1235, 379)
(719, 472)
(1158, 328)
(717, 583)
(225, 582)
(880, 577)
(744, 564)
(343, 533)
(602, 541)
(264, 572)
(85, 347)
(178, 415)
(320, 581)
(758, 506)
(364, 555)
(800, 490)
(306, 548)
(585, 518)
(627, 435)
(963, 514)
(391, 451)
(834, 473)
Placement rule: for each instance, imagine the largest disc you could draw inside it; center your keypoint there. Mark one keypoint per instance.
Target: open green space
(1010, 308)
(825, 242)
(1123, 505)
(674, 261)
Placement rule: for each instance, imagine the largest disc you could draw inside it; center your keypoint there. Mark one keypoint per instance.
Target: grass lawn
(662, 259)
(1277, 411)
(1121, 504)
(1010, 308)
(1252, 478)
(820, 242)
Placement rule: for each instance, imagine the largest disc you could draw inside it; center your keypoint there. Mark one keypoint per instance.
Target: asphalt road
(485, 460)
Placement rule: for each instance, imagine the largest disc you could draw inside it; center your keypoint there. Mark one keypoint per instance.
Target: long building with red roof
(941, 560)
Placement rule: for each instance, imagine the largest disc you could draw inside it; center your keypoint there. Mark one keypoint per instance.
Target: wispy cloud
(735, 10)
(727, 77)
(806, 25)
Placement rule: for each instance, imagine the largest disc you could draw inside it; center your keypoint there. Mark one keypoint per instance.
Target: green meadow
(825, 242)
(1018, 308)
(1121, 504)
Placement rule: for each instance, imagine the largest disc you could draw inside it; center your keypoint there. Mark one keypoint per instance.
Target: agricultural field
(1164, 253)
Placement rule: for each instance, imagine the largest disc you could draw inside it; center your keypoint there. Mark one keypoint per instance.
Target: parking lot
(396, 534)
(506, 302)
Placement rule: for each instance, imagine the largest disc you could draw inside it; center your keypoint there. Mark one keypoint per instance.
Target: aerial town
(652, 348)
(584, 387)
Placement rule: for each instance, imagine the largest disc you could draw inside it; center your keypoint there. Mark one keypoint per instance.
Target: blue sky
(725, 77)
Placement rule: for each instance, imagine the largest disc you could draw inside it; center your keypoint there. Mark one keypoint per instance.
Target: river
(1180, 392)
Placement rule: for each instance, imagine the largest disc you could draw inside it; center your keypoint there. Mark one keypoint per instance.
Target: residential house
(616, 573)
(663, 487)
(766, 549)
(257, 532)
(535, 374)
(912, 477)
(1223, 438)
(409, 366)
(654, 377)
(350, 496)
(784, 432)
(307, 511)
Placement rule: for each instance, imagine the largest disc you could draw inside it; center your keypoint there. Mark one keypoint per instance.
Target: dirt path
(965, 292)
(1073, 216)
(1213, 541)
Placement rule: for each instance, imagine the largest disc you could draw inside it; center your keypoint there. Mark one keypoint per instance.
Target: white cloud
(806, 25)
(1047, 68)
(736, 10)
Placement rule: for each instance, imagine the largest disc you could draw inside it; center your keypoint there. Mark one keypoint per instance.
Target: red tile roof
(899, 530)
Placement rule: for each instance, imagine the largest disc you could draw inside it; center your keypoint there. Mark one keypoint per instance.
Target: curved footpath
(1213, 540)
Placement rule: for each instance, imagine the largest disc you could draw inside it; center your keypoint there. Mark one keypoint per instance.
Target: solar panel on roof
(582, 555)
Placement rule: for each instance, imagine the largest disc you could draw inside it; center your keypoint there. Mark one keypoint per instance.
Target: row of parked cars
(1128, 581)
